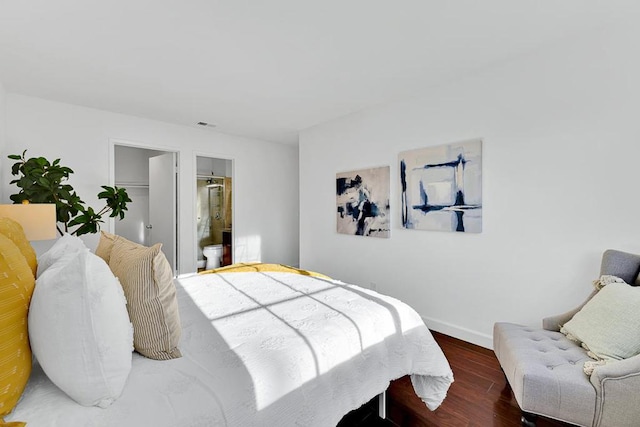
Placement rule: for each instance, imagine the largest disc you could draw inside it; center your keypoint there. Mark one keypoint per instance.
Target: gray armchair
(544, 368)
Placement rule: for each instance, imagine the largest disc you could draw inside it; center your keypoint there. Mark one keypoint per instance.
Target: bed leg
(382, 405)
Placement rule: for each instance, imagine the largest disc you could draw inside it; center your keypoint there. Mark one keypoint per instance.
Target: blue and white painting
(441, 187)
(362, 199)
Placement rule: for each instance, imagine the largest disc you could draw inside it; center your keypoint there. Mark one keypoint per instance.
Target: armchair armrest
(616, 386)
(554, 323)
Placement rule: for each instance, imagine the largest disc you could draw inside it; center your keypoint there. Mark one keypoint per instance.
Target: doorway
(214, 212)
(151, 180)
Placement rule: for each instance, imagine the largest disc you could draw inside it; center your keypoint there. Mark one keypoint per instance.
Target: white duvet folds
(263, 349)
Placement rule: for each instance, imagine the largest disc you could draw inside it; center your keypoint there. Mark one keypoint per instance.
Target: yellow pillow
(105, 245)
(147, 280)
(16, 287)
(14, 231)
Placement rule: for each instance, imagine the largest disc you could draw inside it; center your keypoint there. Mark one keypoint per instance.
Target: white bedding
(263, 349)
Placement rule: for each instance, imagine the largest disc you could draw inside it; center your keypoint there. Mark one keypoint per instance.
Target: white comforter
(264, 349)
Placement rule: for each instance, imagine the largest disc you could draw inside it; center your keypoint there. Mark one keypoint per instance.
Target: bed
(263, 346)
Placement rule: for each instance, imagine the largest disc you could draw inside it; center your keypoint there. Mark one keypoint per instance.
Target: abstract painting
(362, 199)
(441, 187)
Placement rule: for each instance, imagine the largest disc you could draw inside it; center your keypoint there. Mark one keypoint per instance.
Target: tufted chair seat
(545, 369)
(545, 372)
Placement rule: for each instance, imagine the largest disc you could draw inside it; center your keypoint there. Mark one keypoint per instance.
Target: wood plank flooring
(479, 396)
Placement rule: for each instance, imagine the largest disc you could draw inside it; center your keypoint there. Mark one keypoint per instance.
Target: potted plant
(41, 181)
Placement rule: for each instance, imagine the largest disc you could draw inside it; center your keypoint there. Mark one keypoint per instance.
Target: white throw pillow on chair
(609, 324)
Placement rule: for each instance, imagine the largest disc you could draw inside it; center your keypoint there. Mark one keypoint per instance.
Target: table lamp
(37, 219)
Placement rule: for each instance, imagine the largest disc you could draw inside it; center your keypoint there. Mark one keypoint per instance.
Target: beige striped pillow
(105, 245)
(147, 280)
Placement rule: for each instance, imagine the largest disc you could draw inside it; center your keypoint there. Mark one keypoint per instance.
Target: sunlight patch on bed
(288, 333)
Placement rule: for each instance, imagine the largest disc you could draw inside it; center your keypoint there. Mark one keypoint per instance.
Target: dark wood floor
(479, 396)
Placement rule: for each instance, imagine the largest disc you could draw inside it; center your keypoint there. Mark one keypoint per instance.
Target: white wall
(265, 173)
(561, 149)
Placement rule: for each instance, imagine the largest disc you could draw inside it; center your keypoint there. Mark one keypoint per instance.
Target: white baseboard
(474, 337)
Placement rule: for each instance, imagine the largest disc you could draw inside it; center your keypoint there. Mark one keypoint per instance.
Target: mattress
(263, 349)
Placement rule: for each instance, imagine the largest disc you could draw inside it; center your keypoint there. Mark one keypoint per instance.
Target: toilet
(213, 254)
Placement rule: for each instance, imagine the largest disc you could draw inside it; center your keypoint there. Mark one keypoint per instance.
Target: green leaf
(42, 161)
(40, 181)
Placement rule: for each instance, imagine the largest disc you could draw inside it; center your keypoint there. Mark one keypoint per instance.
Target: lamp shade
(37, 219)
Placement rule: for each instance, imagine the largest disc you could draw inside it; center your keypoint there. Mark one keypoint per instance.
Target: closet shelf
(132, 185)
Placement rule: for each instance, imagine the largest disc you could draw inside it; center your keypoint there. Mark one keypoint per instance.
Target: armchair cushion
(544, 370)
(609, 324)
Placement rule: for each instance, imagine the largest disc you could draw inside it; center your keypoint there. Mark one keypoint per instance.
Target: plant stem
(104, 210)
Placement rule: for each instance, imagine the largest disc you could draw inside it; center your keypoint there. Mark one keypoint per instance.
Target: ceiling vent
(205, 124)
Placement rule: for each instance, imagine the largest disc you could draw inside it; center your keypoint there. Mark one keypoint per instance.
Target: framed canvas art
(362, 199)
(441, 187)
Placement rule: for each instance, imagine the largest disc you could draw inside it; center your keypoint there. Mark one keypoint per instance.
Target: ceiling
(268, 68)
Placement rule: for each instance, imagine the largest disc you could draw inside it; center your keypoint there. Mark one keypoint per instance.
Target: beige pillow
(147, 280)
(105, 245)
(609, 324)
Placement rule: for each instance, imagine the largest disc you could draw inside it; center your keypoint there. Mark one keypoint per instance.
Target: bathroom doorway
(214, 212)
(150, 177)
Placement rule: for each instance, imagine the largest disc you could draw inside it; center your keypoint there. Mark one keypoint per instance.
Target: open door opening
(214, 210)
(150, 178)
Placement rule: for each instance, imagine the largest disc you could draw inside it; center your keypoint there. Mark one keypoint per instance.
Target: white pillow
(64, 245)
(79, 329)
(609, 324)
